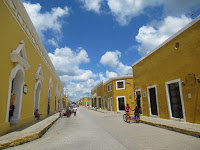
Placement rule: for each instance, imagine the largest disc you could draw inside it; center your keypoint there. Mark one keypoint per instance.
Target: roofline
(97, 86)
(169, 39)
(120, 77)
(33, 37)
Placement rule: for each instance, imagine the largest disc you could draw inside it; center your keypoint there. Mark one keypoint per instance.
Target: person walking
(74, 110)
(137, 114)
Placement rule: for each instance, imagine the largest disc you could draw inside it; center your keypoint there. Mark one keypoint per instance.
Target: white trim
(123, 84)
(112, 103)
(140, 99)
(50, 83)
(108, 103)
(169, 39)
(117, 78)
(39, 74)
(168, 99)
(118, 103)
(97, 86)
(19, 55)
(11, 77)
(36, 85)
(21, 16)
(153, 86)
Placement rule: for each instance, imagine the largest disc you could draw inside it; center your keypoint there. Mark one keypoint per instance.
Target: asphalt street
(92, 130)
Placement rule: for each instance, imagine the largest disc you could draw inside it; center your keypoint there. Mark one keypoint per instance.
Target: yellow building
(118, 92)
(168, 78)
(28, 79)
(85, 101)
(114, 94)
(97, 96)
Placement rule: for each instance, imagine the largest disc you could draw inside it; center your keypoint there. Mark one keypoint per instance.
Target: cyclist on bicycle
(127, 107)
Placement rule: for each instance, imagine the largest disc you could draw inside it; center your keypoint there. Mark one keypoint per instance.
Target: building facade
(97, 96)
(168, 78)
(114, 94)
(28, 79)
(119, 91)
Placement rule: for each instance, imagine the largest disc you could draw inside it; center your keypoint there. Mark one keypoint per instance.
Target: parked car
(77, 105)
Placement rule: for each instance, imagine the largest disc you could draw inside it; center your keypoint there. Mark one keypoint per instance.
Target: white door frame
(118, 103)
(13, 73)
(140, 99)
(111, 101)
(36, 86)
(168, 99)
(153, 86)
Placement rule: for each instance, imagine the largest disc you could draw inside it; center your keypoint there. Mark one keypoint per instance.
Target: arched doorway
(15, 95)
(37, 95)
(49, 100)
(55, 104)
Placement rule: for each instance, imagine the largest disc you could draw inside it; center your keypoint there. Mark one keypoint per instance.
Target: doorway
(111, 104)
(152, 98)
(108, 104)
(95, 102)
(99, 102)
(55, 105)
(49, 100)
(121, 103)
(16, 98)
(138, 96)
(175, 100)
(37, 96)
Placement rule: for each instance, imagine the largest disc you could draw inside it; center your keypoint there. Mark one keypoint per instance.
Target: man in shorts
(137, 114)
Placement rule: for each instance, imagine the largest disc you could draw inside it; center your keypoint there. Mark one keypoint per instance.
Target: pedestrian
(138, 101)
(137, 114)
(63, 113)
(68, 112)
(37, 115)
(74, 110)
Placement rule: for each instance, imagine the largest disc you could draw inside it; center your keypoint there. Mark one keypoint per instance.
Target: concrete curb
(27, 138)
(181, 130)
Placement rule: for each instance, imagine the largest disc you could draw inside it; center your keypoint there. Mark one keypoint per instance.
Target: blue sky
(93, 40)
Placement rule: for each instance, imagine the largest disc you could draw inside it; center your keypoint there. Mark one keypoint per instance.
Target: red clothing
(127, 108)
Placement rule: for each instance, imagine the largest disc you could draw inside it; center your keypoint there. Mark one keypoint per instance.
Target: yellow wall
(11, 35)
(168, 63)
(100, 94)
(122, 92)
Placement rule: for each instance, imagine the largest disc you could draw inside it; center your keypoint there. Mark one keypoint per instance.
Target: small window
(177, 45)
(108, 87)
(120, 84)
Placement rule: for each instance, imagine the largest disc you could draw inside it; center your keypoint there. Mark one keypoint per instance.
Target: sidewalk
(28, 134)
(178, 126)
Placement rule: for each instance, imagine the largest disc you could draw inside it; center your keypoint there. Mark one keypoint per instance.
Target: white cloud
(110, 74)
(53, 42)
(111, 59)
(67, 62)
(79, 82)
(125, 10)
(151, 36)
(47, 20)
(92, 5)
